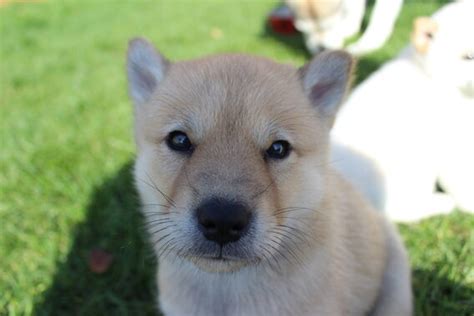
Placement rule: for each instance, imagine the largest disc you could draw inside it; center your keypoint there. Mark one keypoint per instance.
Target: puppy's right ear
(146, 68)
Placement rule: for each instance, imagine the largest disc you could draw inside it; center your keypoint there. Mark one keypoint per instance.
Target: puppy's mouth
(222, 255)
(228, 253)
(221, 258)
(215, 258)
(219, 264)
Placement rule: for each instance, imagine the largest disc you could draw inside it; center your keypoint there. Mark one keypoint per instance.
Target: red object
(99, 260)
(281, 20)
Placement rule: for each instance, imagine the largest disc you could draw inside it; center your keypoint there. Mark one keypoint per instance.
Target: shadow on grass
(113, 223)
(435, 295)
(293, 41)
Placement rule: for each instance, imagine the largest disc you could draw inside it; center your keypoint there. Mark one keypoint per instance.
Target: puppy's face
(232, 154)
(446, 45)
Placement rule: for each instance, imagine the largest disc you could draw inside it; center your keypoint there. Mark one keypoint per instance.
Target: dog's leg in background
(456, 179)
(354, 14)
(401, 198)
(413, 198)
(457, 156)
(380, 27)
(344, 24)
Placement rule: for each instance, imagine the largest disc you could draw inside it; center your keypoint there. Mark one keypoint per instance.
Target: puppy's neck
(244, 291)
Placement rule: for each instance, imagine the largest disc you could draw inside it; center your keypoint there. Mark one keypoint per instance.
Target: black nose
(223, 221)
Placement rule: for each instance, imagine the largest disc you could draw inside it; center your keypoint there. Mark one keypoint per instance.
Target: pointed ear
(146, 68)
(326, 79)
(424, 29)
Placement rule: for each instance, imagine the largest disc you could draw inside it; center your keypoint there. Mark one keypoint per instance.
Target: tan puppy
(244, 211)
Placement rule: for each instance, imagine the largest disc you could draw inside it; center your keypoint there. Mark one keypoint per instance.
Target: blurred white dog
(413, 122)
(326, 24)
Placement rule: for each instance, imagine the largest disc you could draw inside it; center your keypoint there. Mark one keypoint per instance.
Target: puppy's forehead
(237, 93)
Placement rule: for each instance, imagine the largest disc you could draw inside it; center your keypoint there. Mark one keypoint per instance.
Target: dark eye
(468, 56)
(179, 141)
(278, 150)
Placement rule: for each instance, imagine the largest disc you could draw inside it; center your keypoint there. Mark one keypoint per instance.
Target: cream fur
(315, 246)
(412, 120)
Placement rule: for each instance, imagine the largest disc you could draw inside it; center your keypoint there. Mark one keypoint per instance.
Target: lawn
(67, 150)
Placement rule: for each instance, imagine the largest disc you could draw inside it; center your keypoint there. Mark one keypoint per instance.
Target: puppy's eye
(179, 141)
(468, 56)
(279, 150)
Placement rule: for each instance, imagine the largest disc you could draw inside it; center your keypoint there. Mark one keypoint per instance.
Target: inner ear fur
(326, 80)
(146, 68)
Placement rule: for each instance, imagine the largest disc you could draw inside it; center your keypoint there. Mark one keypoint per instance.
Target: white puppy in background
(328, 23)
(414, 119)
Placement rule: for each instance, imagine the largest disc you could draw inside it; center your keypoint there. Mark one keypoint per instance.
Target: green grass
(66, 152)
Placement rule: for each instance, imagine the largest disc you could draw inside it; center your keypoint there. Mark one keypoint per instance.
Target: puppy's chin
(220, 265)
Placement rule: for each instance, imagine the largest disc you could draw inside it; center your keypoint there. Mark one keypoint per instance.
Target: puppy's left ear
(326, 79)
(146, 68)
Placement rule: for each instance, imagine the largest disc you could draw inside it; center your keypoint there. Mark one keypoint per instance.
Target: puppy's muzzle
(223, 221)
